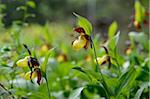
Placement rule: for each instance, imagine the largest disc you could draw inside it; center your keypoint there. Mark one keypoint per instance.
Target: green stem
(95, 55)
(13, 97)
(97, 69)
(49, 95)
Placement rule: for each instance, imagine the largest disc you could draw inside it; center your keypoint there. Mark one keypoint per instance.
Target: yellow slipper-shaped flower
(28, 74)
(79, 43)
(23, 62)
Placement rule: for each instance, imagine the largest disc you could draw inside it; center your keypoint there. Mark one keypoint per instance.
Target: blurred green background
(100, 12)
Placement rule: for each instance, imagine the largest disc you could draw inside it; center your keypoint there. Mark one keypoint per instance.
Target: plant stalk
(98, 70)
(49, 95)
(13, 97)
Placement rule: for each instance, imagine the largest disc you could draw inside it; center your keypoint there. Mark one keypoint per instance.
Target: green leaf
(126, 80)
(43, 66)
(31, 4)
(139, 12)
(142, 87)
(111, 83)
(94, 77)
(79, 69)
(75, 94)
(83, 71)
(91, 74)
(114, 41)
(84, 23)
(112, 29)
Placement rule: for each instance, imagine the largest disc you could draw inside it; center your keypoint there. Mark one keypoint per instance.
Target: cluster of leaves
(73, 75)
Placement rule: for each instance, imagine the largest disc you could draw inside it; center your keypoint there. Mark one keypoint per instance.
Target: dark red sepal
(79, 30)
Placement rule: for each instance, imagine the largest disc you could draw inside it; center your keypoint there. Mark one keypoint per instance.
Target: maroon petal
(39, 75)
(79, 30)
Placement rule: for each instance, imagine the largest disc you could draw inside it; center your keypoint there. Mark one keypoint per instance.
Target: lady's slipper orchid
(102, 60)
(44, 48)
(105, 58)
(32, 63)
(140, 16)
(62, 58)
(83, 40)
(88, 58)
(128, 51)
(35, 74)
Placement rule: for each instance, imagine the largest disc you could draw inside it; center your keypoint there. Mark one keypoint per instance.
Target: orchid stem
(97, 69)
(49, 95)
(7, 91)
